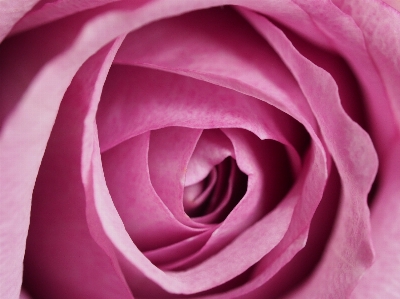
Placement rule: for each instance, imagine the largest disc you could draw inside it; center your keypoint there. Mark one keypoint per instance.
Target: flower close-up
(199, 149)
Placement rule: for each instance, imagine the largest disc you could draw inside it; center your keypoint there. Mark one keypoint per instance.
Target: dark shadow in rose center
(224, 180)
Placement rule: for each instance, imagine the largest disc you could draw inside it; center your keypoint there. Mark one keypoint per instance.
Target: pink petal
(24, 295)
(306, 191)
(350, 243)
(11, 12)
(379, 26)
(49, 11)
(169, 154)
(229, 189)
(305, 261)
(393, 3)
(382, 279)
(195, 195)
(168, 255)
(348, 39)
(60, 250)
(26, 74)
(140, 207)
(213, 147)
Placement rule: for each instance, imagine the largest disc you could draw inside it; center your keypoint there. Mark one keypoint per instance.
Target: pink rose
(200, 149)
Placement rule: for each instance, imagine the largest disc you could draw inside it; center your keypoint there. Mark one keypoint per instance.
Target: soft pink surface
(112, 123)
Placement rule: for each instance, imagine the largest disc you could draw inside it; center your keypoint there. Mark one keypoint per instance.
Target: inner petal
(138, 204)
(169, 152)
(198, 193)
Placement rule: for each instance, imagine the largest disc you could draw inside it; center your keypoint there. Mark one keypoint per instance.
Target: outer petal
(51, 10)
(380, 28)
(60, 250)
(11, 12)
(27, 117)
(356, 162)
(381, 281)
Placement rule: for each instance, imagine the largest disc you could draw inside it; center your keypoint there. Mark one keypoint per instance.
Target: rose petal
(25, 74)
(309, 186)
(382, 279)
(49, 11)
(167, 257)
(230, 189)
(141, 209)
(195, 195)
(306, 260)
(24, 295)
(11, 12)
(169, 154)
(348, 40)
(393, 3)
(213, 147)
(178, 251)
(378, 23)
(350, 243)
(60, 255)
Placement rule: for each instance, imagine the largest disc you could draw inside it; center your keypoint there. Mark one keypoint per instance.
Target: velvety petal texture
(199, 149)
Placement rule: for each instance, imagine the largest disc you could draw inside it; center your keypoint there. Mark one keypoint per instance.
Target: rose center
(211, 199)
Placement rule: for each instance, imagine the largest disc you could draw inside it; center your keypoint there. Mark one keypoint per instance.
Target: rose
(75, 231)
(348, 245)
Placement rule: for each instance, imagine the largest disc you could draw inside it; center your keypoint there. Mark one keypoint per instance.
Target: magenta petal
(378, 26)
(235, 81)
(141, 209)
(228, 190)
(393, 3)
(11, 12)
(350, 36)
(24, 295)
(178, 251)
(24, 135)
(355, 159)
(58, 236)
(169, 154)
(50, 11)
(382, 279)
(211, 149)
(196, 194)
